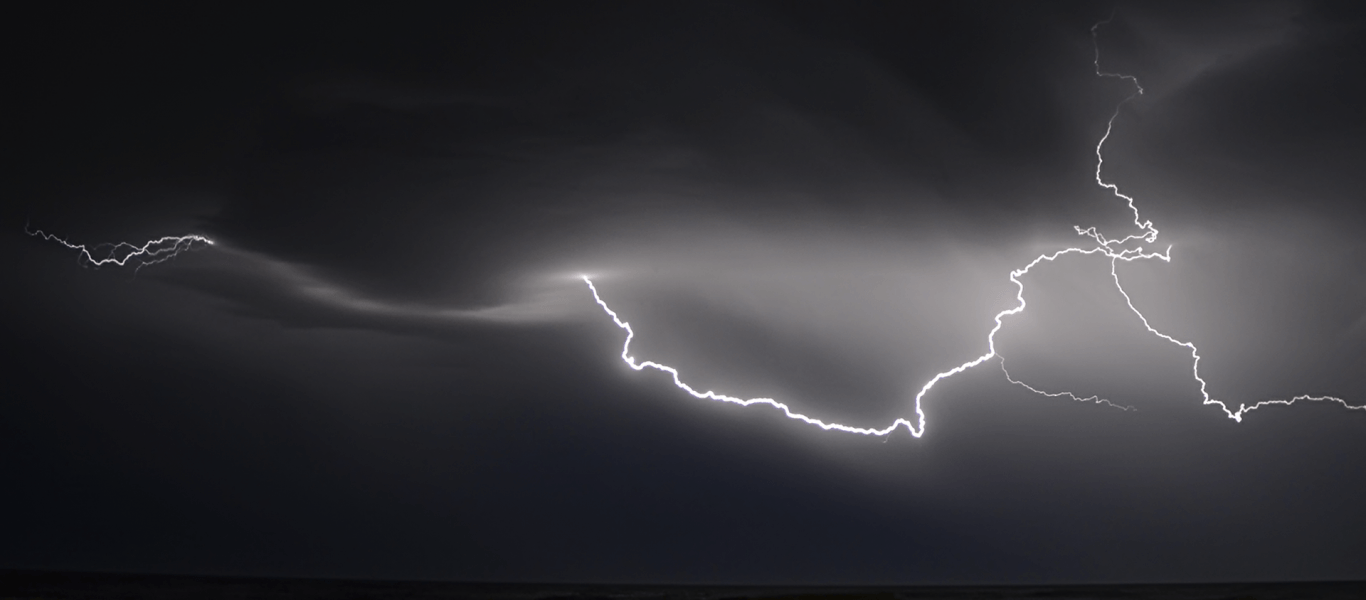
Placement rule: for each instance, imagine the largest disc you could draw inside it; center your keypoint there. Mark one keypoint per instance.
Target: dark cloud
(388, 366)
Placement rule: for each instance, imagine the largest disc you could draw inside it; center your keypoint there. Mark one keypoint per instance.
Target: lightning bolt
(710, 395)
(165, 248)
(1105, 246)
(120, 254)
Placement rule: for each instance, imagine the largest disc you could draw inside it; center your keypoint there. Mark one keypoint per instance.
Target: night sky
(387, 367)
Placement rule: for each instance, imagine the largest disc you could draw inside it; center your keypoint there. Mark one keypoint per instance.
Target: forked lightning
(1107, 247)
(121, 253)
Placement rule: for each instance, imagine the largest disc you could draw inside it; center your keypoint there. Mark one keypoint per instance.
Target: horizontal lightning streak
(917, 429)
(710, 395)
(165, 248)
(1107, 247)
(1094, 398)
(153, 252)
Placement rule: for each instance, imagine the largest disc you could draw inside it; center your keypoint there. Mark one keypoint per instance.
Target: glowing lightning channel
(1236, 415)
(710, 395)
(1095, 399)
(1107, 247)
(1149, 234)
(119, 254)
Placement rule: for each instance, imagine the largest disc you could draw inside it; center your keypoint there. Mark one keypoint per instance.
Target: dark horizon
(387, 367)
(69, 573)
(74, 581)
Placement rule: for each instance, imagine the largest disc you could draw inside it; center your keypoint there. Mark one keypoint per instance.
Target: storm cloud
(388, 365)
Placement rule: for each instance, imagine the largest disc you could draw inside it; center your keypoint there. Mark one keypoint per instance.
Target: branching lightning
(1105, 246)
(1095, 399)
(121, 253)
(159, 250)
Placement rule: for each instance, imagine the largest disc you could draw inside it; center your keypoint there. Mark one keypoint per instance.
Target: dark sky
(387, 368)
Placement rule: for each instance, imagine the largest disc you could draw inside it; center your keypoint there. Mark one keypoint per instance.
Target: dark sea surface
(98, 586)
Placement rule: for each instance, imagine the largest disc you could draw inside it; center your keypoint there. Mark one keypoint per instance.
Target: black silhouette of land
(52, 585)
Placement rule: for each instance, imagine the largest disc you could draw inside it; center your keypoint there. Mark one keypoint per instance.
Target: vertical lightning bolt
(1105, 246)
(121, 253)
(1147, 232)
